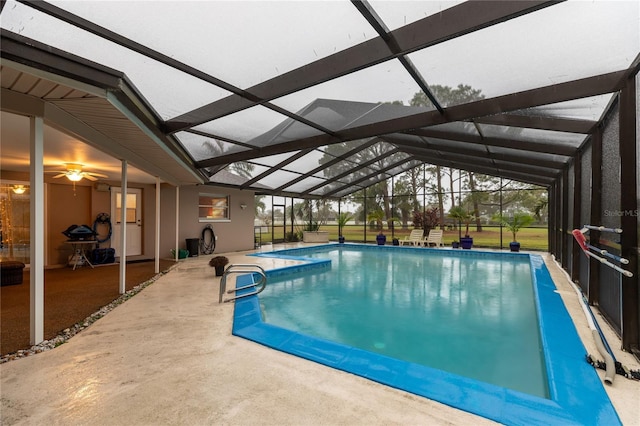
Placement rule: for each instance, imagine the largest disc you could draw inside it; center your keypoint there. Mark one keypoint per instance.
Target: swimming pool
(428, 309)
(574, 391)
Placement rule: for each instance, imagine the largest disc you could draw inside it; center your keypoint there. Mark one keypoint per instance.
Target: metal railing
(242, 269)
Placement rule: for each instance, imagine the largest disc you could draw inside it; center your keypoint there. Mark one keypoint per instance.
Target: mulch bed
(69, 297)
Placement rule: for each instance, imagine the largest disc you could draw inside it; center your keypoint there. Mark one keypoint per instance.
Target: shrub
(428, 219)
(218, 261)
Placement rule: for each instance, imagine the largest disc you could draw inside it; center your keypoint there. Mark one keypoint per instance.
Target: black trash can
(193, 246)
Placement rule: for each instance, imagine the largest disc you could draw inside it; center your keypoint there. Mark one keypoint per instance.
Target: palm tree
(216, 147)
(515, 222)
(259, 204)
(343, 218)
(463, 215)
(539, 207)
(378, 217)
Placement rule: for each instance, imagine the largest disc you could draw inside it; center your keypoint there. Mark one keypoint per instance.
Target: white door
(133, 220)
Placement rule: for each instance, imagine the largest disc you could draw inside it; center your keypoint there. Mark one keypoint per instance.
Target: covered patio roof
(320, 99)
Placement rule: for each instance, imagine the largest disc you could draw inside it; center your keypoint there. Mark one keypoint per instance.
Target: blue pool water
(574, 392)
(470, 316)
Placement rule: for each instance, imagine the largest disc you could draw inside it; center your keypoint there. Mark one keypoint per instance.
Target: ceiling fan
(74, 173)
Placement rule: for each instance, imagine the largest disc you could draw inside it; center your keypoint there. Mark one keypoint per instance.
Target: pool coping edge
(576, 392)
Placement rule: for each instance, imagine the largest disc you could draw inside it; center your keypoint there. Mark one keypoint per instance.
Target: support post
(564, 231)
(593, 292)
(629, 218)
(393, 225)
(551, 226)
(176, 243)
(364, 196)
(123, 229)
(157, 239)
(501, 225)
(558, 221)
(36, 248)
(576, 251)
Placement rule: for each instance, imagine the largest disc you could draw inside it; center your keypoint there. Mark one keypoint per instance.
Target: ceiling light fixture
(18, 189)
(74, 172)
(74, 175)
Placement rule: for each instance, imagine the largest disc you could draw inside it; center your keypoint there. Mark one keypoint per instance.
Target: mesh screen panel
(609, 297)
(585, 213)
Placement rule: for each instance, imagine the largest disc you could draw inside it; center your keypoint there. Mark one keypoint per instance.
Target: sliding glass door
(15, 217)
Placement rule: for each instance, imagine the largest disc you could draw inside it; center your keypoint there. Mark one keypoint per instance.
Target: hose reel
(207, 245)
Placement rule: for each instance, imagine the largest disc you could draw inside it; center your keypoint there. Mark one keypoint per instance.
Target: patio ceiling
(314, 99)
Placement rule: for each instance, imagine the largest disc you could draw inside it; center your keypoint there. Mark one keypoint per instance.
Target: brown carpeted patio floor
(69, 297)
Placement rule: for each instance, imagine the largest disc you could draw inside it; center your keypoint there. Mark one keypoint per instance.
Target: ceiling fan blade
(60, 175)
(88, 176)
(98, 175)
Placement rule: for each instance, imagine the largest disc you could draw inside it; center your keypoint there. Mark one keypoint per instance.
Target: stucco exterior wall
(83, 208)
(235, 234)
(65, 207)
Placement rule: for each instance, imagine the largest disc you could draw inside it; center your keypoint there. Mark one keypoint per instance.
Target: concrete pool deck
(167, 356)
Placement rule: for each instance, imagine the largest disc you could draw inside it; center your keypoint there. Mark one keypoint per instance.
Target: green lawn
(529, 238)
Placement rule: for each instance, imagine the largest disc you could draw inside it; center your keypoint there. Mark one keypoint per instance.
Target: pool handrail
(242, 268)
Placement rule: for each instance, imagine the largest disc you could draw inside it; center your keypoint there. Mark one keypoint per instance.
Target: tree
(540, 206)
(322, 211)
(378, 156)
(301, 210)
(432, 173)
(259, 204)
(279, 215)
(474, 201)
(451, 187)
(494, 194)
(463, 215)
(440, 195)
(410, 183)
(379, 194)
(343, 218)
(404, 202)
(215, 147)
(447, 95)
(427, 220)
(265, 217)
(515, 222)
(378, 217)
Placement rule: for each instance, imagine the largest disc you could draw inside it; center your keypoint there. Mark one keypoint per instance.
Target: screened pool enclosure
(323, 99)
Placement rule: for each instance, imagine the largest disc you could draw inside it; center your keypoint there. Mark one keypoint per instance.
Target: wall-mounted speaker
(102, 187)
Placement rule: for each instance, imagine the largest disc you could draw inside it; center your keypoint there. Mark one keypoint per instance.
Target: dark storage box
(193, 246)
(11, 272)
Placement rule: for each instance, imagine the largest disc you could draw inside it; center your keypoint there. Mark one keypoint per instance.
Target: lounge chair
(415, 238)
(435, 237)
